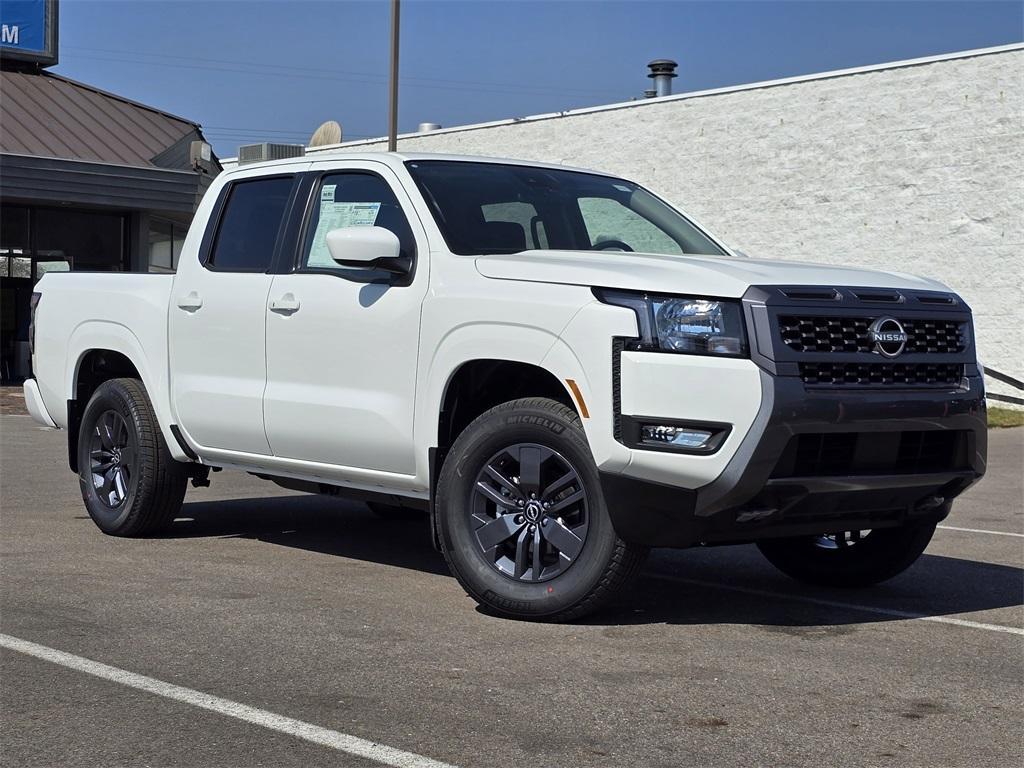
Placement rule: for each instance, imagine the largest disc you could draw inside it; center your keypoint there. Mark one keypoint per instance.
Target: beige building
(912, 166)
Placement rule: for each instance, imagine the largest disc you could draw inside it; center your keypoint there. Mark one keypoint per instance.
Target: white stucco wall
(913, 167)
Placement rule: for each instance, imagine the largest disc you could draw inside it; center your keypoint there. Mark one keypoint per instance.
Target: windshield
(492, 208)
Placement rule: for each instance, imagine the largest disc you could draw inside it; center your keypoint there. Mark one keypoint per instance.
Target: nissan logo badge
(888, 336)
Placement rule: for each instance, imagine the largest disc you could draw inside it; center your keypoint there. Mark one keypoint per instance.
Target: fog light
(683, 437)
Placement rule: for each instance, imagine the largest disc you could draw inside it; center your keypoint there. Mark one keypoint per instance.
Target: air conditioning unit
(258, 153)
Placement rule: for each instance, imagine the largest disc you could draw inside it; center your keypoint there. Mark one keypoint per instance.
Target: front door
(342, 343)
(217, 319)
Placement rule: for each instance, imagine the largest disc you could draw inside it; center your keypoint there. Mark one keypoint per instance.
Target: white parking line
(845, 606)
(980, 530)
(342, 742)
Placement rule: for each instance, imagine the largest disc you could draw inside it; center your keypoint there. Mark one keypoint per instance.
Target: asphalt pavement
(288, 630)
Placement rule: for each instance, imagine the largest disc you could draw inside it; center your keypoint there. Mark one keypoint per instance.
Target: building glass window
(13, 238)
(165, 241)
(160, 246)
(84, 239)
(179, 231)
(34, 241)
(13, 229)
(21, 266)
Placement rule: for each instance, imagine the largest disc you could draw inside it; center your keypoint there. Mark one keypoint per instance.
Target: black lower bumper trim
(796, 410)
(659, 515)
(867, 483)
(650, 513)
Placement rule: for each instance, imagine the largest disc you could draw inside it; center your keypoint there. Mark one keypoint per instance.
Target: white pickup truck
(560, 369)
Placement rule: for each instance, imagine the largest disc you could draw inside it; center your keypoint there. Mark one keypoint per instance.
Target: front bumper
(751, 500)
(814, 458)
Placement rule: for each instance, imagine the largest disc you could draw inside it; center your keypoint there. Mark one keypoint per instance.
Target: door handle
(285, 305)
(190, 302)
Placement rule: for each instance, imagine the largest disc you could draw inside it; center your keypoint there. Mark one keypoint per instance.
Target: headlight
(691, 325)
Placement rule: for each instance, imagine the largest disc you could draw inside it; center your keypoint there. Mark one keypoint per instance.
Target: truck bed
(80, 311)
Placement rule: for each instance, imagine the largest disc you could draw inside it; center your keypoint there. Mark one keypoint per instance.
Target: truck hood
(723, 276)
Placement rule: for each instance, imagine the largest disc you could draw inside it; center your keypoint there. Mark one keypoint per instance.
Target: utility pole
(393, 96)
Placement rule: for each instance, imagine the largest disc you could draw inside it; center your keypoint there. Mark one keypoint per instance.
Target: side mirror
(369, 247)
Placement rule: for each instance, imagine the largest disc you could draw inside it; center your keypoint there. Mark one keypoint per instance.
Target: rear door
(217, 316)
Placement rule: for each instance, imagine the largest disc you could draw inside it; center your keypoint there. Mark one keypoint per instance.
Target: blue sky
(256, 71)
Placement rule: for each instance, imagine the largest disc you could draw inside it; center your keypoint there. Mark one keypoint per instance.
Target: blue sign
(28, 30)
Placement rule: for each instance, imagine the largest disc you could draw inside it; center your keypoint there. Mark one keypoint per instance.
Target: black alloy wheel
(521, 516)
(530, 512)
(131, 485)
(111, 459)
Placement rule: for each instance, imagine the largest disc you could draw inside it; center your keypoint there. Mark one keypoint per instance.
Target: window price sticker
(335, 215)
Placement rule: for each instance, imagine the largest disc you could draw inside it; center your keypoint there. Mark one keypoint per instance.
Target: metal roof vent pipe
(428, 127)
(662, 72)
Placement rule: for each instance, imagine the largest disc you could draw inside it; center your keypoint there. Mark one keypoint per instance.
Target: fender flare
(479, 340)
(487, 341)
(93, 335)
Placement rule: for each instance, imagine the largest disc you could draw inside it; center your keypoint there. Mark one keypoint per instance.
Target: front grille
(825, 334)
(881, 374)
(864, 453)
(850, 334)
(934, 336)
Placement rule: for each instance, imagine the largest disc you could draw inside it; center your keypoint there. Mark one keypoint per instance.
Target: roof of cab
(395, 159)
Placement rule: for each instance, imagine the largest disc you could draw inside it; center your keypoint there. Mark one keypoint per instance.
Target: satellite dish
(328, 133)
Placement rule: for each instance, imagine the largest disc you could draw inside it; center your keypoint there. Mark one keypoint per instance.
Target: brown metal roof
(48, 115)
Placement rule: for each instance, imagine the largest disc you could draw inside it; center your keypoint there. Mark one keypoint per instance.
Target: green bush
(1005, 417)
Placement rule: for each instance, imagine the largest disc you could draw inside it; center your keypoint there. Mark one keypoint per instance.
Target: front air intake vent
(258, 153)
(880, 297)
(866, 453)
(811, 294)
(942, 299)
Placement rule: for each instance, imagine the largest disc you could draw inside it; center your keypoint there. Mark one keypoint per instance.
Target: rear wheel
(522, 519)
(130, 483)
(850, 558)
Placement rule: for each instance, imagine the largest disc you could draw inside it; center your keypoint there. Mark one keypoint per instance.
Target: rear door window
(249, 226)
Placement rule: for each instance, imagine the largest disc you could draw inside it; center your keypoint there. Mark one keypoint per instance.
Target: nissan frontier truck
(559, 368)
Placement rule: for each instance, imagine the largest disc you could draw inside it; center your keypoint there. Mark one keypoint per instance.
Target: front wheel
(522, 519)
(130, 483)
(850, 558)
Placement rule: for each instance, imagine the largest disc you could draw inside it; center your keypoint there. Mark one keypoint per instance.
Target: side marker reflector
(579, 398)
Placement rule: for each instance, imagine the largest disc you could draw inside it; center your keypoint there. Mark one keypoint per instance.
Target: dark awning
(47, 179)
